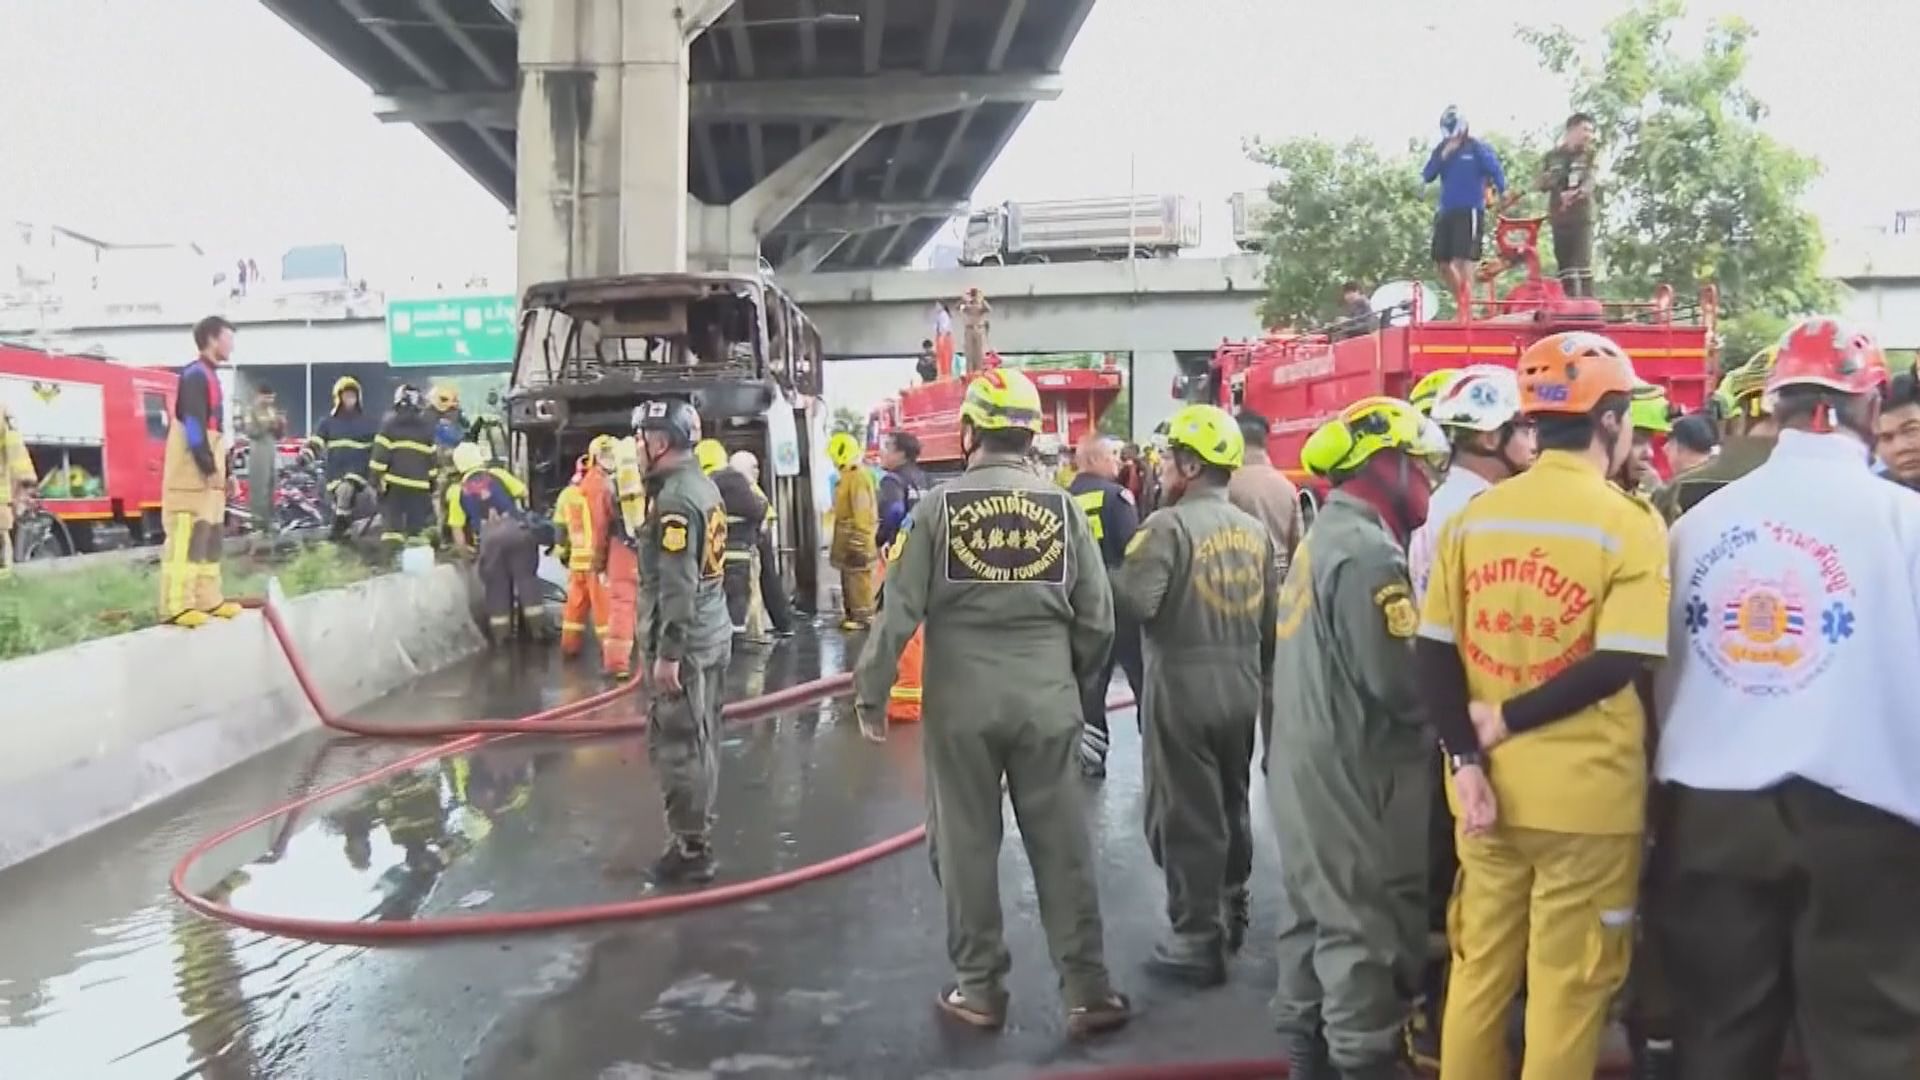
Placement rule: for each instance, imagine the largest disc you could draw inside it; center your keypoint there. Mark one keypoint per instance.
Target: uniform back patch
(1006, 537)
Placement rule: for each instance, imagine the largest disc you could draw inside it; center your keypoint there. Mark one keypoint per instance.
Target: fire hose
(559, 720)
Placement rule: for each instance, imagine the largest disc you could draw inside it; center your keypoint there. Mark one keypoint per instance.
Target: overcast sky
(212, 120)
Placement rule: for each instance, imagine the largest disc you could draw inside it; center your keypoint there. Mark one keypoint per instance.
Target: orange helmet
(1822, 351)
(1569, 373)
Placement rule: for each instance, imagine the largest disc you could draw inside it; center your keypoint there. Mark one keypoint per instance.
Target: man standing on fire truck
(1199, 580)
(193, 500)
(1790, 855)
(1348, 766)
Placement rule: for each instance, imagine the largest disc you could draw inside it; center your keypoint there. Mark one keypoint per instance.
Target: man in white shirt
(1787, 889)
(1479, 409)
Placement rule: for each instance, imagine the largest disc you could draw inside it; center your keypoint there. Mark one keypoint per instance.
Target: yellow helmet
(1746, 385)
(1428, 389)
(446, 396)
(468, 457)
(1649, 413)
(1209, 433)
(1348, 441)
(1002, 399)
(601, 444)
(843, 449)
(343, 384)
(713, 457)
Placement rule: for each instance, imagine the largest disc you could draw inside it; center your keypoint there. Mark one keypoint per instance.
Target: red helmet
(1823, 351)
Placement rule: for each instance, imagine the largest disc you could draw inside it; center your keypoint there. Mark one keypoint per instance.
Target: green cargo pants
(1198, 821)
(1353, 862)
(964, 764)
(683, 743)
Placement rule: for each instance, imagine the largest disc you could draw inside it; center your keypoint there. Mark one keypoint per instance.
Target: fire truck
(1298, 381)
(1072, 400)
(97, 433)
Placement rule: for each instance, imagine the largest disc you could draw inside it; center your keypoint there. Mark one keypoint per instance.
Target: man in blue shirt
(1464, 166)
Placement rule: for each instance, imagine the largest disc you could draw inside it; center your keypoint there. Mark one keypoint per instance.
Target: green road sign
(450, 330)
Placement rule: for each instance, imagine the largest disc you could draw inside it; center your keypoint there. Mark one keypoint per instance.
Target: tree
(848, 422)
(1692, 190)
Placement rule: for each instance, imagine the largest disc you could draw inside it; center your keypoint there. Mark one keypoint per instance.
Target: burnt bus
(733, 345)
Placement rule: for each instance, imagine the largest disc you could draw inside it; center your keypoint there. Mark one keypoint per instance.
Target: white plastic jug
(416, 560)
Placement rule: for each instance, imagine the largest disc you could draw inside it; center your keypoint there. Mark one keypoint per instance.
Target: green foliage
(848, 422)
(1747, 333)
(1692, 190)
(44, 611)
(1117, 421)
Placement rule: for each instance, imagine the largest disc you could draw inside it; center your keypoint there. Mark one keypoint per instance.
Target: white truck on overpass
(1081, 230)
(1250, 210)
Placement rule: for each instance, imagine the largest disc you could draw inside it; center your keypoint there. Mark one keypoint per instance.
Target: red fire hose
(555, 721)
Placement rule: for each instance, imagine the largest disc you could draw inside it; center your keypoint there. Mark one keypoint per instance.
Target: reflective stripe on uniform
(401, 481)
(1092, 502)
(1572, 530)
(348, 444)
(402, 444)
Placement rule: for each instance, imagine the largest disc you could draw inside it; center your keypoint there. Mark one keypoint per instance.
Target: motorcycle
(37, 534)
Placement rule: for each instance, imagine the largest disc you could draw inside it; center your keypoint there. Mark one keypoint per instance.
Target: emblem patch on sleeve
(1396, 605)
(673, 533)
(1006, 537)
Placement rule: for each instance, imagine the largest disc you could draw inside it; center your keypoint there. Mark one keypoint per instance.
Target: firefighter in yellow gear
(583, 509)
(193, 498)
(856, 525)
(17, 479)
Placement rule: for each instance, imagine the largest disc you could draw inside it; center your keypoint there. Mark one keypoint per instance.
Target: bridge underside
(864, 123)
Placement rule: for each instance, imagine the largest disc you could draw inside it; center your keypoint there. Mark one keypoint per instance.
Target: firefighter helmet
(672, 417)
(843, 449)
(1828, 353)
(1001, 399)
(468, 457)
(1650, 414)
(711, 455)
(1568, 373)
(1429, 387)
(1484, 398)
(1365, 428)
(407, 396)
(343, 384)
(1210, 434)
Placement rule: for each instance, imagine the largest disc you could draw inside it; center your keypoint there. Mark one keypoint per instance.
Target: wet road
(105, 975)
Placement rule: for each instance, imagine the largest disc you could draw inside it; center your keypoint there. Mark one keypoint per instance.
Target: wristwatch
(1456, 762)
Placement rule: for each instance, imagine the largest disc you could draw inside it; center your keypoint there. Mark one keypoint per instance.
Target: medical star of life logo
(1761, 634)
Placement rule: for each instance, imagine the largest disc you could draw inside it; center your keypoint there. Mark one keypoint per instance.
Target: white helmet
(1484, 397)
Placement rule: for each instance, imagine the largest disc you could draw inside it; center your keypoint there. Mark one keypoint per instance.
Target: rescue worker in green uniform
(687, 635)
(1199, 577)
(1349, 759)
(1750, 433)
(1001, 567)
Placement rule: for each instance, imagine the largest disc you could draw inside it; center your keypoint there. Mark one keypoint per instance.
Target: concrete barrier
(99, 730)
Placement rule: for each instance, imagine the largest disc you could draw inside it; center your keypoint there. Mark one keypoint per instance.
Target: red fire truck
(97, 432)
(1299, 381)
(1072, 401)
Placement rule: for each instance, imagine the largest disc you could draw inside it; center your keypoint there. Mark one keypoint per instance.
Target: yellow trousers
(1557, 908)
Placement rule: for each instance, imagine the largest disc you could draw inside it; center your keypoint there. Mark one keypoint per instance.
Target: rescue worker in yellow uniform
(343, 440)
(1199, 579)
(486, 512)
(856, 525)
(1348, 756)
(1547, 600)
(406, 471)
(689, 639)
(746, 513)
(583, 509)
(17, 481)
(193, 499)
(1001, 568)
(1747, 443)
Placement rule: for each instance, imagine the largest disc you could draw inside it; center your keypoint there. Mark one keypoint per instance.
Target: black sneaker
(1239, 914)
(1181, 965)
(681, 865)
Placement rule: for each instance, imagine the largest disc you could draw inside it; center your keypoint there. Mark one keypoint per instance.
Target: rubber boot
(685, 863)
(1653, 1059)
(1307, 1057)
(1239, 913)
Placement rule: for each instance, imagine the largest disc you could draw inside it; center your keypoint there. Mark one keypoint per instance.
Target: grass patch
(52, 611)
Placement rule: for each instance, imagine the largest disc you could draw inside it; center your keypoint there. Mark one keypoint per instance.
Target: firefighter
(584, 508)
(746, 513)
(193, 501)
(1747, 442)
(1348, 760)
(689, 638)
(406, 470)
(1113, 518)
(1198, 579)
(343, 440)
(855, 527)
(772, 590)
(1429, 387)
(1547, 601)
(449, 429)
(17, 481)
(487, 513)
(620, 459)
(1790, 853)
(490, 431)
(1001, 567)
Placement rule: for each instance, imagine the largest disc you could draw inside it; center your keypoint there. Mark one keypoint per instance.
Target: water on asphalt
(105, 975)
